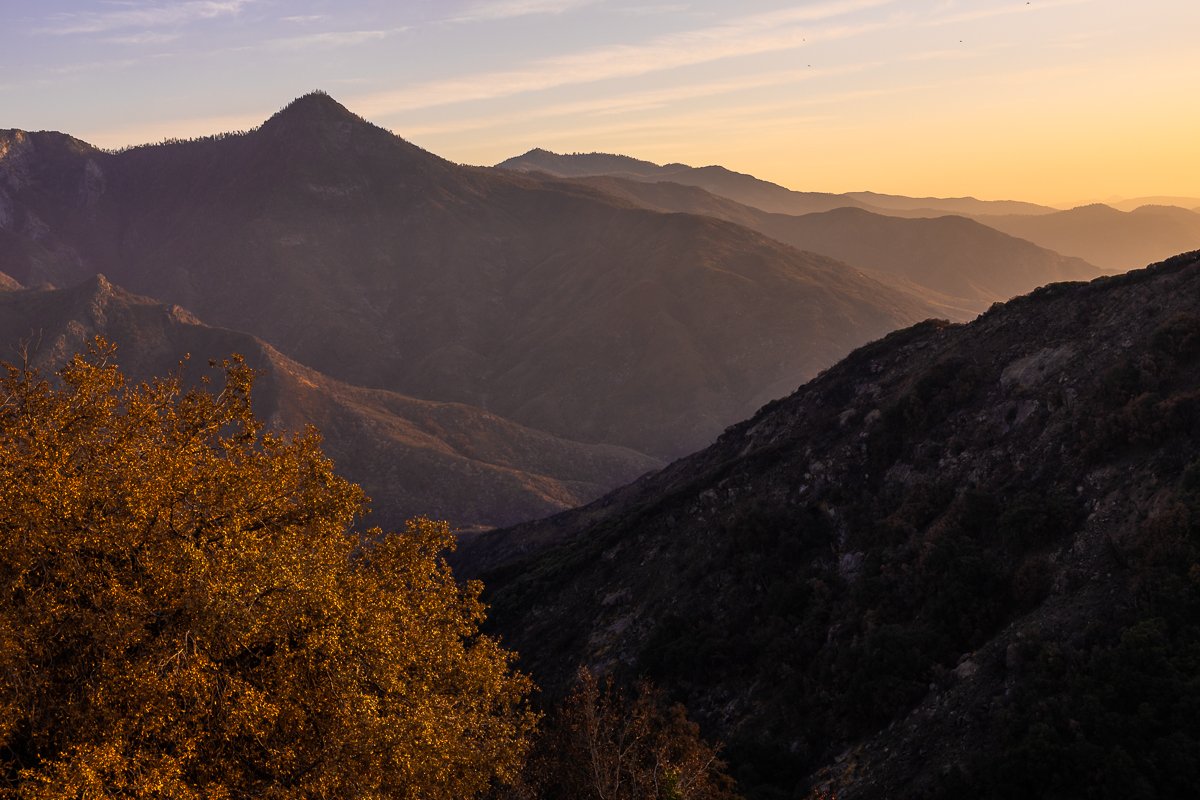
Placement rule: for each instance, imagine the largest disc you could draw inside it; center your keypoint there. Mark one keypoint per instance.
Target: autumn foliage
(185, 611)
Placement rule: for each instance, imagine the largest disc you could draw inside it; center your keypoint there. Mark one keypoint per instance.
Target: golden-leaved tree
(185, 611)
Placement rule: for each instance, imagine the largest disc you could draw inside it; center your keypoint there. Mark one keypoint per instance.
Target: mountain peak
(312, 109)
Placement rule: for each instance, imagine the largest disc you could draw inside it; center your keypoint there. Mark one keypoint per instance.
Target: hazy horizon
(1060, 102)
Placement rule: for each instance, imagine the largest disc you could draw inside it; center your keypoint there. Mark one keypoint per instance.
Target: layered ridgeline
(1132, 203)
(752, 191)
(413, 457)
(363, 256)
(962, 265)
(1111, 237)
(961, 563)
(933, 206)
(736, 186)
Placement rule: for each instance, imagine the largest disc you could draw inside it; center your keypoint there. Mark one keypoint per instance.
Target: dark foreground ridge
(963, 562)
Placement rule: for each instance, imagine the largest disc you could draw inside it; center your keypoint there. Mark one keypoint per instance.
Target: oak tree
(187, 612)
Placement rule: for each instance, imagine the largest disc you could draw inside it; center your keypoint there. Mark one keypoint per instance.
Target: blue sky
(1050, 100)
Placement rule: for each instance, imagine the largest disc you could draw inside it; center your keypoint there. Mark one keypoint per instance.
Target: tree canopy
(186, 610)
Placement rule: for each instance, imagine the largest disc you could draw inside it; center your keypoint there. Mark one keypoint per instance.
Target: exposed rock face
(865, 587)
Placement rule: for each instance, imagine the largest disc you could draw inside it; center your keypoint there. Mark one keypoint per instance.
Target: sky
(1053, 101)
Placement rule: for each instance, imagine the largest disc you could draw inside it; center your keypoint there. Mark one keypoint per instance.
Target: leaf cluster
(187, 612)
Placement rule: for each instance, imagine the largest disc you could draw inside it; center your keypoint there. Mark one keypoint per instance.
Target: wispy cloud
(633, 102)
(52, 75)
(1082, 40)
(506, 9)
(826, 109)
(655, 9)
(327, 40)
(88, 67)
(678, 128)
(760, 33)
(953, 54)
(144, 16)
(145, 37)
(305, 19)
(1003, 10)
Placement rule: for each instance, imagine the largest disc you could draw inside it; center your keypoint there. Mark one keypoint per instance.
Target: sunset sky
(1056, 101)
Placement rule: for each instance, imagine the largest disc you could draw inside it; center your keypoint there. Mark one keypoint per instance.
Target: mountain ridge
(1107, 236)
(959, 263)
(857, 587)
(744, 188)
(385, 266)
(414, 457)
(752, 191)
(959, 205)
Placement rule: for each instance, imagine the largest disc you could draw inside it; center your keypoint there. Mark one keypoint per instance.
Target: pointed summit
(315, 125)
(313, 109)
(332, 146)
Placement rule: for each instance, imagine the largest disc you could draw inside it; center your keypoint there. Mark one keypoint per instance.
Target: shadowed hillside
(413, 457)
(961, 265)
(363, 256)
(960, 563)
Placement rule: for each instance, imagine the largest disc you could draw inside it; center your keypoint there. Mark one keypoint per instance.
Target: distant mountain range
(752, 191)
(570, 322)
(735, 185)
(1156, 200)
(1154, 227)
(965, 206)
(1108, 237)
(959, 264)
(960, 563)
(412, 456)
